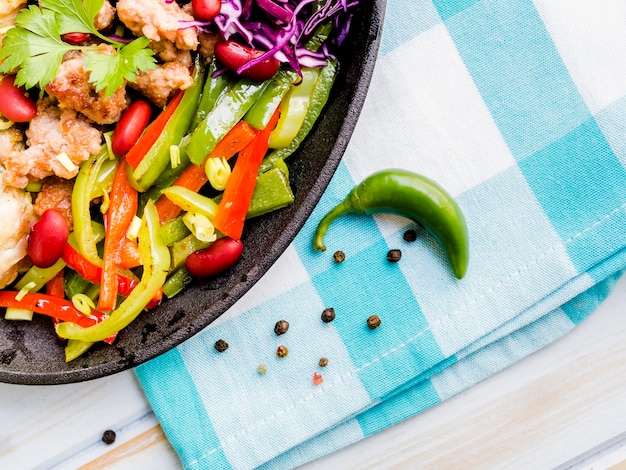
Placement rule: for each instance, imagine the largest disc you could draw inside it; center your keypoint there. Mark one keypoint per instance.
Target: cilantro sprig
(35, 49)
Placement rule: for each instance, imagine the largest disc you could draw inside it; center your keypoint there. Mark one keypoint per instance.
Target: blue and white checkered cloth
(518, 108)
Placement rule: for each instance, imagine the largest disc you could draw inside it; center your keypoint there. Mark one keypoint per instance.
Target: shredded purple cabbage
(280, 27)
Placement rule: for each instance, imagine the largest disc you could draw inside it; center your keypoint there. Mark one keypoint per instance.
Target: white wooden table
(562, 407)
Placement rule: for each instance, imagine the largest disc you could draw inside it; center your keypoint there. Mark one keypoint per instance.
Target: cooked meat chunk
(10, 7)
(105, 16)
(72, 89)
(56, 193)
(8, 10)
(207, 44)
(158, 84)
(17, 218)
(51, 133)
(167, 52)
(158, 20)
(11, 140)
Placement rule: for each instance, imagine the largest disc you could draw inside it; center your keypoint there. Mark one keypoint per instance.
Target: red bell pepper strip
(122, 209)
(93, 274)
(194, 177)
(55, 287)
(129, 256)
(232, 209)
(52, 306)
(152, 132)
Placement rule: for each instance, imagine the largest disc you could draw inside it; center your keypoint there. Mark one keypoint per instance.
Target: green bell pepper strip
(85, 182)
(156, 262)
(173, 231)
(262, 110)
(177, 282)
(157, 159)
(213, 88)
(180, 250)
(319, 97)
(228, 111)
(411, 195)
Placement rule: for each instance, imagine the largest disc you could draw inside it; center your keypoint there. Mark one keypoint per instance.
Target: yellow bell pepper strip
(123, 207)
(156, 261)
(233, 208)
(157, 158)
(191, 201)
(85, 181)
(293, 109)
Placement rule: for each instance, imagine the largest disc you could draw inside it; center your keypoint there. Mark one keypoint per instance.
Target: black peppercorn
(339, 256)
(282, 351)
(108, 437)
(221, 345)
(410, 235)
(394, 256)
(323, 362)
(373, 322)
(328, 315)
(281, 327)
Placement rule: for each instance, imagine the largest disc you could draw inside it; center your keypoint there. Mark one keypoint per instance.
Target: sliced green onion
(106, 201)
(25, 290)
(174, 156)
(217, 171)
(14, 313)
(83, 304)
(200, 226)
(133, 229)
(34, 187)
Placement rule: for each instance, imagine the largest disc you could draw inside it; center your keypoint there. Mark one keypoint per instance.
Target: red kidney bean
(233, 55)
(15, 105)
(206, 10)
(48, 238)
(75, 39)
(218, 257)
(130, 126)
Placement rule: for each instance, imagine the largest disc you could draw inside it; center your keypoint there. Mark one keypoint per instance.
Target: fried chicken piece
(157, 85)
(105, 16)
(158, 20)
(17, 218)
(72, 89)
(56, 193)
(52, 132)
(167, 52)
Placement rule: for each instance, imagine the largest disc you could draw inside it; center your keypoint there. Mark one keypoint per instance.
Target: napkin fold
(517, 109)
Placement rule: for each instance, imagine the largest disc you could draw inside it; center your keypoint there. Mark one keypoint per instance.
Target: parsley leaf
(34, 47)
(108, 71)
(75, 16)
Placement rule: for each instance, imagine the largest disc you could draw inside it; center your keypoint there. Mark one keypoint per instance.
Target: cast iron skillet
(30, 353)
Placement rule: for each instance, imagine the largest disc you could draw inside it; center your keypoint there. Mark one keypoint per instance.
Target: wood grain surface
(563, 407)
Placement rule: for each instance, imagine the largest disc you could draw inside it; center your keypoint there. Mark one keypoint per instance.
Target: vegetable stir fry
(136, 139)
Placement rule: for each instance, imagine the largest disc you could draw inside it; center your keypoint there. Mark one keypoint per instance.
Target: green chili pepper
(410, 195)
(319, 97)
(227, 112)
(158, 157)
(156, 262)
